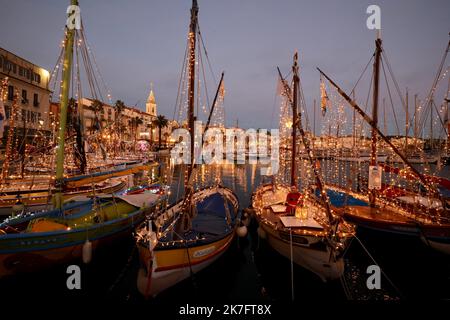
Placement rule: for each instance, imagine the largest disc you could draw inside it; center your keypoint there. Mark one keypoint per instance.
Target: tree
(97, 106)
(119, 106)
(160, 122)
(135, 122)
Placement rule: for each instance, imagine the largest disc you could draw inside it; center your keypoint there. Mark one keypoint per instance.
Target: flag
(324, 101)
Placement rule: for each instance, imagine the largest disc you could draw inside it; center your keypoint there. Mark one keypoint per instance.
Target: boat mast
(407, 122)
(415, 120)
(192, 57)
(294, 119)
(354, 126)
(312, 161)
(66, 74)
(314, 124)
(373, 156)
(367, 118)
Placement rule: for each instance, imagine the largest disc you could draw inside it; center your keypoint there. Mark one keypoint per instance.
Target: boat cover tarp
(211, 215)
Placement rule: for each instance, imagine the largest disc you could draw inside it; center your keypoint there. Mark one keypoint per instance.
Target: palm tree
(119, 106)
(97, 106)
(135, 122)
(160, 122)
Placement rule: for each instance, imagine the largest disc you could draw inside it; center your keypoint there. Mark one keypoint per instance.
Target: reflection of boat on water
(301, 226)
(194, 232)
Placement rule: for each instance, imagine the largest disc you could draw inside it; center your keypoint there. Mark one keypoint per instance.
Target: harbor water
(251, 271)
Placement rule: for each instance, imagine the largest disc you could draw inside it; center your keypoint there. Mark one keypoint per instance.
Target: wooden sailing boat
(33, 190)
(301, 226)
(425, 216)
(71, 230)
(194, 232)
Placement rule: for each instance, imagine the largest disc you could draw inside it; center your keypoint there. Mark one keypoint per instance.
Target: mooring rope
(124, 269)
(384, 274)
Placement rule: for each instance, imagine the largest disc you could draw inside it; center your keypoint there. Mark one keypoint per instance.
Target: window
(24, 96)
(21, 71)
(8, 66)
(37, 78)
(24, 115)
(35, 100)
(10, 93)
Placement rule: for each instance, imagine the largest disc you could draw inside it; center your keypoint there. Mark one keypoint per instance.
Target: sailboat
(194, 232)
(425, 215)
(301, 226)
(71, 230)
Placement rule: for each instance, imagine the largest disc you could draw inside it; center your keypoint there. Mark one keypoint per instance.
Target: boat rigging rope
(179, 91)
(124, 269)
(292, 265)
(206, 53)
(362, 74)
(384, 274)
(390, 97)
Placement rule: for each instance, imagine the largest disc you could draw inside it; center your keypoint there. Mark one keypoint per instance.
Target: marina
(344, 197)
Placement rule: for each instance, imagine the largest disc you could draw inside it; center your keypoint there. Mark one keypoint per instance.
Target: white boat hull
(320, 262)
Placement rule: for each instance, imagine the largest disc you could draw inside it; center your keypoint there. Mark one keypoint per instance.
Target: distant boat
(417, 159)
(34, 196)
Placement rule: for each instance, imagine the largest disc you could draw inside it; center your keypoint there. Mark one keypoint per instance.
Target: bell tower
(150, 105)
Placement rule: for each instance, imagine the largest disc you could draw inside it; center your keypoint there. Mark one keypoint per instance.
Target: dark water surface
(250, 271)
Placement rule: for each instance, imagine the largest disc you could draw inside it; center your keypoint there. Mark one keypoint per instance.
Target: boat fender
(261, 233)
(87, 252)
(241, 231)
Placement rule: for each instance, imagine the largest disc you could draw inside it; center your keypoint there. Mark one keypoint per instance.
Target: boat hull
(23, 253)
(173, 260)
(437, 237)
(313, 255)
(409, 229)
(311, 248)
(175, 265)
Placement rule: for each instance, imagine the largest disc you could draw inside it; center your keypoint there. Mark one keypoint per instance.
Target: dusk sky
(137, 42)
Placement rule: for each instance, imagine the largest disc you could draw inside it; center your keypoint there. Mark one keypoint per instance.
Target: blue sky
(137, 42)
